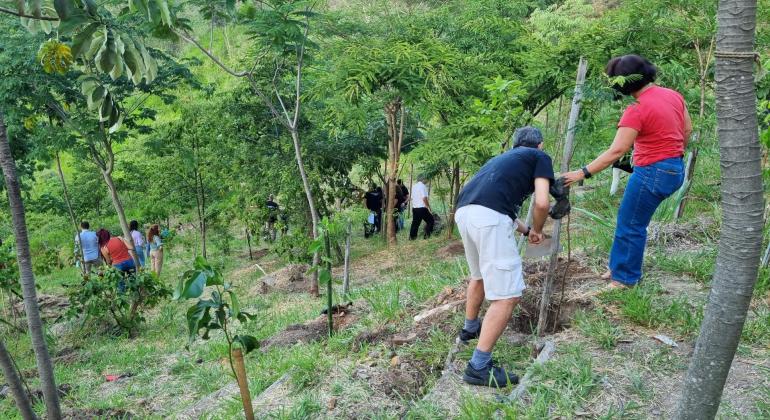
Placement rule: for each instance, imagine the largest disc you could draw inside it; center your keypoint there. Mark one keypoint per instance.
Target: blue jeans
(647, 188)
(140, 254)
(125, 266)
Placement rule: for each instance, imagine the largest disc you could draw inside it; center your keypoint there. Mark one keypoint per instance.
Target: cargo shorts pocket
(505, 279)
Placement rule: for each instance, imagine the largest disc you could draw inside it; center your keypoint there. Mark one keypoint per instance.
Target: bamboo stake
(243, 383)
(542, 321)
(346, 270)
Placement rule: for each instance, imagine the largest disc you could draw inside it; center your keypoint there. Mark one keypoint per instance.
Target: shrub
(122, 297)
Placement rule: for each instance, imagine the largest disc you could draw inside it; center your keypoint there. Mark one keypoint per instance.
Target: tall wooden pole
(569, 140)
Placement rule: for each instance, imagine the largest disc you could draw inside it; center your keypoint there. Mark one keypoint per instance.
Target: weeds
(597, 326)
(644, 306)
(385, 300)
(699, 266)
(757, 327)
(638, 386)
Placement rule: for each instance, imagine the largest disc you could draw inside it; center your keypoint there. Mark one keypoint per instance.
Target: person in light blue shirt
(89, 244)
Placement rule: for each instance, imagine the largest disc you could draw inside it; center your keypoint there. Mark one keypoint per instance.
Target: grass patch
(699, 265)
(757, 327)
(597, 325)
(644, 305)
(559, 389)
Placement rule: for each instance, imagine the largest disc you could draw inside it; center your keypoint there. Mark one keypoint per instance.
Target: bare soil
(451, 250)
(310, 331)
(292, 279)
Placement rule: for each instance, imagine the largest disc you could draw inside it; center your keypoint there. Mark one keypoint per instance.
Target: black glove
(624, 164)
(560, 193)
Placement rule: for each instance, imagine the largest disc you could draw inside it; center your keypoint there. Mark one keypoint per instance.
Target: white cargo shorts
(490, 249)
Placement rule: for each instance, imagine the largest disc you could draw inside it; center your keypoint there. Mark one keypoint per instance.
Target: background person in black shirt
(402, 195)
(272, 216)
(374, 203)
(487, 218)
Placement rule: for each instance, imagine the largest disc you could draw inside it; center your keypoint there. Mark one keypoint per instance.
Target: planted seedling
(218, 312)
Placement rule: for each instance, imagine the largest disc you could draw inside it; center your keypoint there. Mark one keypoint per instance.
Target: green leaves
(247, 343)
(200, 317)
(191, 285)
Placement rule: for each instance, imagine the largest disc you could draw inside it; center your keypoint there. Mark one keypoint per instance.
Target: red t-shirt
(658, 116)
(118, 250)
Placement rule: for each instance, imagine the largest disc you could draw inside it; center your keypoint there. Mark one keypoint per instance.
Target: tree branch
(192, 40)
(22, 15)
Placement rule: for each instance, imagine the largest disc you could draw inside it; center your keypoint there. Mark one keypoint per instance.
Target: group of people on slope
(657, 126)
(101, 247)
(375, 199)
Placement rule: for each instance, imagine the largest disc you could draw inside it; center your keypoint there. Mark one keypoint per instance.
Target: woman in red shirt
(116, 251)
(658, 126)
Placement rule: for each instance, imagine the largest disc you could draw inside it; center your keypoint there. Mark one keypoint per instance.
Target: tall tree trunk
(310, 202)
(27, 278)
(542, 321)
(411, 180)
(81, 256)
(395, 136)
(14, 382)
(742, 212)
(453, 201)
(248, 241)
(119, 210)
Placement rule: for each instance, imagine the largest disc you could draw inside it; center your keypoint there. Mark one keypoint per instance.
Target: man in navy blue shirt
(487, 213)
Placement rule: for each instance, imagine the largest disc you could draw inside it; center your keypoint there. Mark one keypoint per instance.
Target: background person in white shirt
(420, 209)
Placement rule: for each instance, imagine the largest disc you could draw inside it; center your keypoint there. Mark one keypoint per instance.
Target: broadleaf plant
(218, 312)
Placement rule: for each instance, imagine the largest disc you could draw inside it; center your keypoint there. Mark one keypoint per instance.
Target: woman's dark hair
(103, 236)
(84, 225)
(133, 225)
(636, 70)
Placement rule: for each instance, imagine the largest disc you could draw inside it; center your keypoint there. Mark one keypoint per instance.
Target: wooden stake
(243, 383)
(545, 301)
(346, 270)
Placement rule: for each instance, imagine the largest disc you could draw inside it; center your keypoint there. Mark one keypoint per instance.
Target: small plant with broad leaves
(330, 229)
(217, 312)
(117, 295)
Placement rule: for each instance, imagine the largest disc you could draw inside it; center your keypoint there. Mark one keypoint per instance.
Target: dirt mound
(682, 236)
(310, 331)
(568, 296)
(402, 380)
(67, 355)
(451, 250)
(52, 307)
(288, 279)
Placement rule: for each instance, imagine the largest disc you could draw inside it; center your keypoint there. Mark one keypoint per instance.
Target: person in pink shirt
(658, 126)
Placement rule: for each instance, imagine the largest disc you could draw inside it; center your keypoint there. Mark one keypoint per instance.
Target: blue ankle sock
(472, 325)
(480, 359)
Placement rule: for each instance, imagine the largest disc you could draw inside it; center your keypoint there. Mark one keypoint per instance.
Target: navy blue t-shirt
(505, 181)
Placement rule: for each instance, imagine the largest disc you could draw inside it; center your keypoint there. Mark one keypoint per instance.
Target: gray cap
(527, 136)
